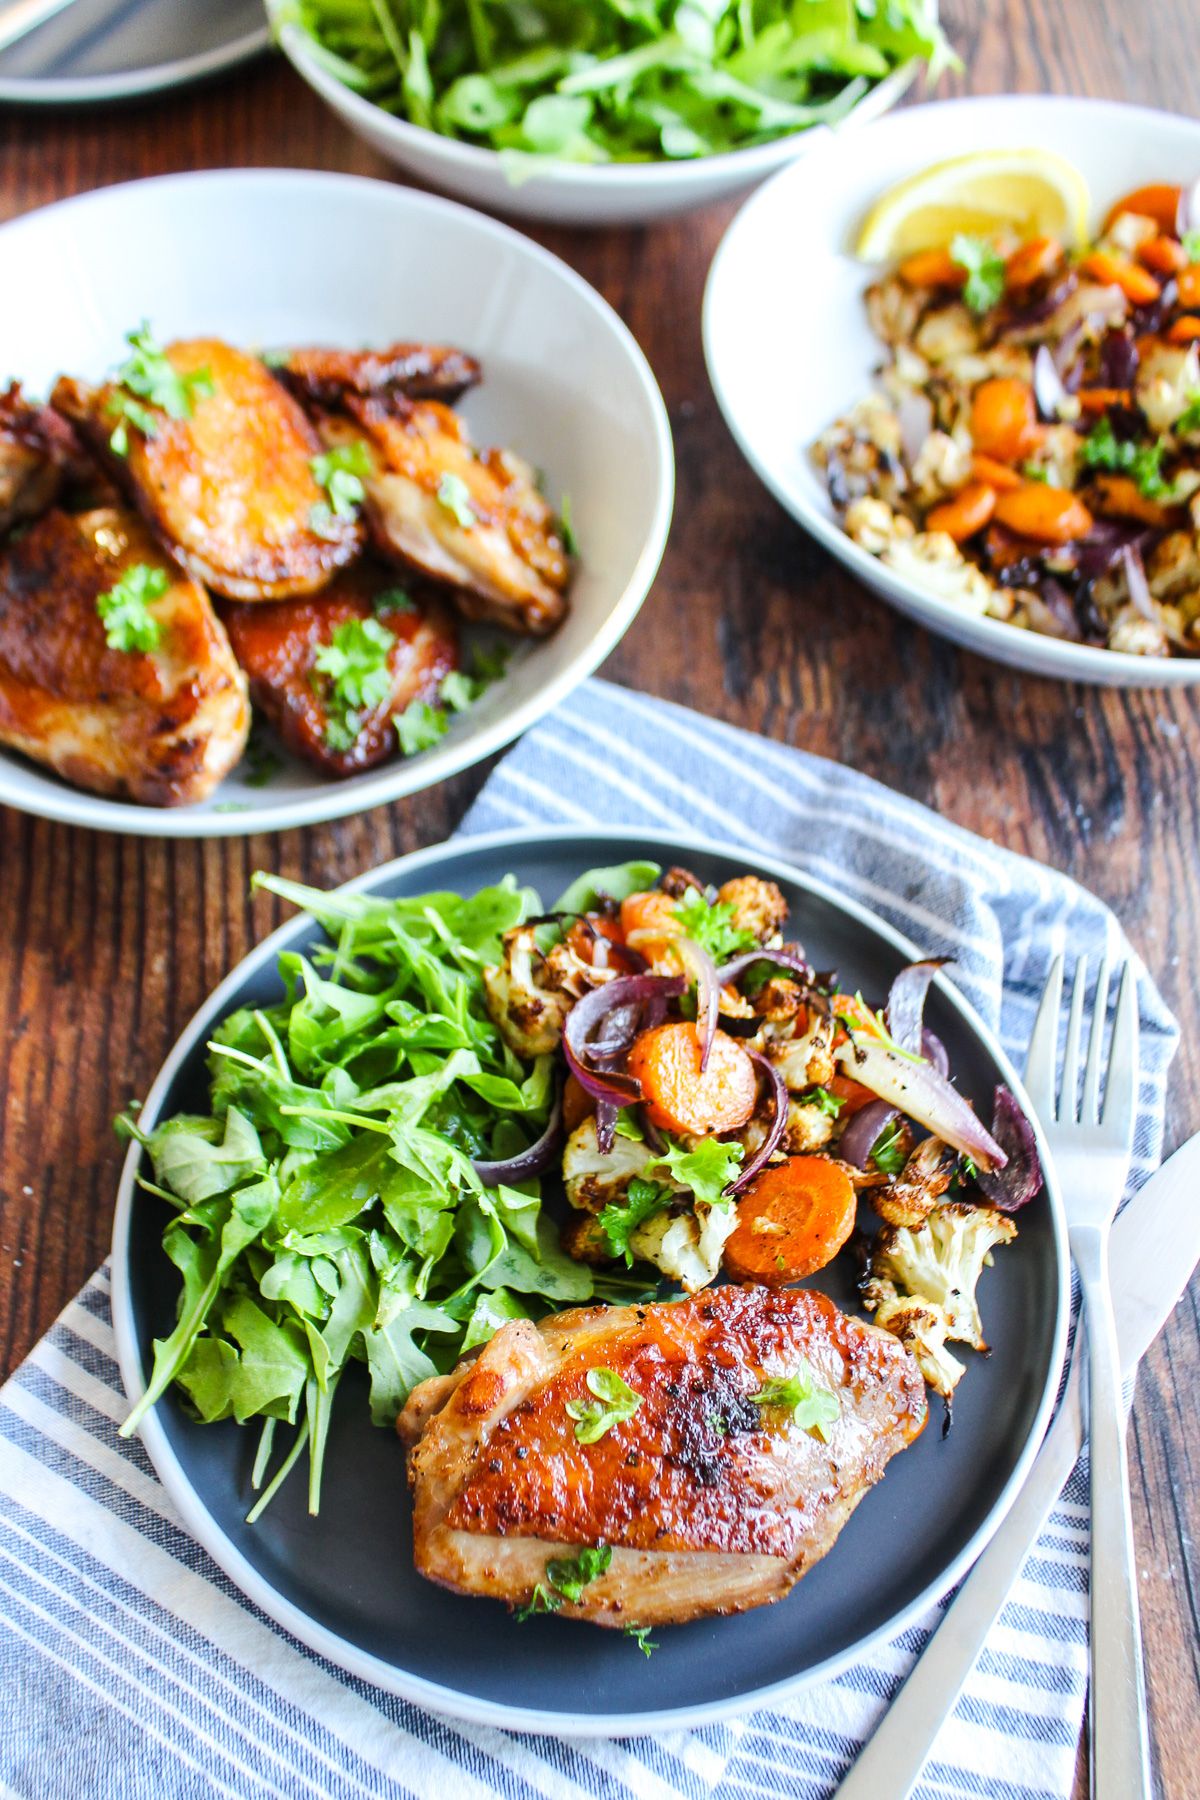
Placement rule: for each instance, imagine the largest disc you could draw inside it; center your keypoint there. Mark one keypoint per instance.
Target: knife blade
(1155, 1249)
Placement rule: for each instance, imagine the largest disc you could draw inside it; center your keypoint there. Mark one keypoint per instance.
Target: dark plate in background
(113, 49)
(344, 1583)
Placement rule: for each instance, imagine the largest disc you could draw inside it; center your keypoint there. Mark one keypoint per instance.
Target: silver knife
(1155, 1249)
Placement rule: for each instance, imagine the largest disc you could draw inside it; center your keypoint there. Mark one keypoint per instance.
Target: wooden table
(110, 943)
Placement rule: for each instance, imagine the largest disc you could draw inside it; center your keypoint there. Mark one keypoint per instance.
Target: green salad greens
(597, 81)
(326, 1210)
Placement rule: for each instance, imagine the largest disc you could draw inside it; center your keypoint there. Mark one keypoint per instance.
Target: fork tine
(1042, 1060)
(1089, 1109)
(1120, 1093)
(1069, 1097)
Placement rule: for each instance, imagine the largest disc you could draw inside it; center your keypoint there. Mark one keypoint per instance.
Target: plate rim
(392, 781)
(1077, 662)
(419, 1689)
(157, 78)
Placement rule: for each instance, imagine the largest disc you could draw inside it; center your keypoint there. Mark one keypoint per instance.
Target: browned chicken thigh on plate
(228, 484)
(418, 371)
(278, 646)
(710, 1495)
(161, 725)
(39, 452)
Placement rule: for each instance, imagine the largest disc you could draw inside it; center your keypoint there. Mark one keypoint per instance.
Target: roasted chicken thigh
(38, 453)
(228, 485)
(710, 1495)
(418, 371)
(163, 725)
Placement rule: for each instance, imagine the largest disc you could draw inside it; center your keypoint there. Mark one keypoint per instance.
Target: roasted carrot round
(581, 936)
(932, 268)
(1164, 255)
(1003, 418)
(1137, 284)
(677, 1096)
(1189, 285)
(791, 1221)
(1098, 400)
(1117, 496)
(1049, 514)
(1159, 201)
(998, 475)
(653, 911)
(966, 513)
(1032, 262)
(1184, 331)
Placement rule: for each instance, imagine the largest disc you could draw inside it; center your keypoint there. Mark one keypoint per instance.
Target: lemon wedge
(1034, 192)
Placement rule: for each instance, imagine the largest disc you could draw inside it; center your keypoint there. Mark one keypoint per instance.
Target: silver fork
(1092, 1147)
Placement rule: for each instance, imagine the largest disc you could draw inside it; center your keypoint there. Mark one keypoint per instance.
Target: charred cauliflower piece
(909, 1200)
(686, 1246)
(594, 1180)
(921, 1329)
(530, 992)
(758, 906)
(807, 1060)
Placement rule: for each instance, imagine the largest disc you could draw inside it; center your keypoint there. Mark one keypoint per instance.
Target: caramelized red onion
(1135, 581)
(533, 1161)
(934, 1051)
(708, 992)
(1049, 388)
(862, 1133)
(1020, 1179)
(921, 1093)
(625, 997)
(906, 1002)
(772, 1140)
(785, 957)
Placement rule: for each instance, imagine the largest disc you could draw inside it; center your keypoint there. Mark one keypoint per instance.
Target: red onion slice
(771, 1142)
(906, 1002)
(934, 1051)
(783, 958)
(1049, 389)
(525, 1163)
(1020, 1179)
(1135, 581)
(915, 414)
(606, 1125)
(708, 993)
(919, 1092)
(624, 996)
(862, 1132)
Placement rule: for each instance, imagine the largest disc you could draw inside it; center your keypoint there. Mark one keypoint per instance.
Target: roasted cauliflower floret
(530, 992)
(1167, 380)
(893, 309)
(808, 1127)
(945, 332)
(688, 1246)
(942, 467)
(1174, 565)
(1128, 232)
(758, 906)
(909, 1200)
(873, 524)
(934, 561)
(939, 1265)
(921, 1329)
(807, 1060)
(594, 1180)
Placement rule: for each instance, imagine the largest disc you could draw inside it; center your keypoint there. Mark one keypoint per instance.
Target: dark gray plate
(344, 1582)
(113, 49)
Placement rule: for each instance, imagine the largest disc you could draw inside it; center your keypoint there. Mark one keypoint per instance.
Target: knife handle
(1120, 1747)
(890, 1763)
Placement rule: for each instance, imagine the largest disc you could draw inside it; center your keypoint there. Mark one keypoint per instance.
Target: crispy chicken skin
(418, 371)
(711, 1503)
(506, 563)
(162, 727)
(229, 490)
(276, 645)
(39, 452)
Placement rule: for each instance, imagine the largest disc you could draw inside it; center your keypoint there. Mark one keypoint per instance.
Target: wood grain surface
(108, 944)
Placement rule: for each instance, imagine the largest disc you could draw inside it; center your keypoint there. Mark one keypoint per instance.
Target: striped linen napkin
(131, 1666)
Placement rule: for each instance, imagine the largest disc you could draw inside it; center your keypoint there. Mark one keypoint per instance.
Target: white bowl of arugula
(597, 114)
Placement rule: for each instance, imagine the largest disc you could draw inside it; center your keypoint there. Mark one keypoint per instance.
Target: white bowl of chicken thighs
(314, 491)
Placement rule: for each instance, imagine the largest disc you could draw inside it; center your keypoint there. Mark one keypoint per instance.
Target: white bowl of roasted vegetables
(596, 114)
(984, 322)
(319, 492)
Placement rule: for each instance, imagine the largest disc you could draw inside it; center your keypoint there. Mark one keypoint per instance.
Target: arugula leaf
(985, 271)
(123, 610)
(614, 1402)
(707, 1169)
(569, 1575)
(588, 890)
(342, 472)
(148, 374)
(196, 1158)
(887, 1152)
(643, 1200)
(814, 1406)
(712, 926)
(1102, 449)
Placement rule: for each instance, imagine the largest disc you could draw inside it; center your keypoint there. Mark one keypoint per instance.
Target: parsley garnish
(567, 527)
(123, 609)
(985, 271)
(454, 494)
(887, 1152)
(569, 1575)
(391, 599)
(149, 374)
(1103, 449)
(823, 1100)
(543, 1601)
(1191, 246)
(355, 664)
(420, 726)
(488, 665)
(1189, 418)
(707, 1168)
(1032, 472)
(813, 1406)
(641, 1637)
(712, 927)
(341, 472)
(615, 1401)
(643, 1199)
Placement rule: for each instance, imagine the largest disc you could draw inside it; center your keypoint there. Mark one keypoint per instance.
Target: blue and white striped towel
(131, 1667)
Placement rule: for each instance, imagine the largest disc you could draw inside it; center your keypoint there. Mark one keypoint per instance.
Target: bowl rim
(403, 776)
(747, 163)
(992, 638)
(420, 1689)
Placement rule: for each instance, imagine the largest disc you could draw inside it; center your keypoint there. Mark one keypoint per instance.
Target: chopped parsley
(1191, 246)
(1189, 418)
(148, 374)
(1034, 472)
(420, 726)
(128, 625)
(454, 494)
(1103, 449)
(823, 1100)
(813, 1406)
(643, 1200)
(712, 926)
(423, 723)
(707, 1169)
(542, 1601)
(641, 1637)
(391, 600)
(567, 527)
(887, 1152)
(358, 678)
(341, 472)
(985, 271)
(614, 1402)
(569, 1575)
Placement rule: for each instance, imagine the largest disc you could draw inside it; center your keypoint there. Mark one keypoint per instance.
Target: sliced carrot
(791, 1221)
(581, 936)
(1118, 497)
(1184, 331)
(653, 911)
(997, 474)
(1137, 284)
(932, 268)
(1049, 514)
(1032, 262)
(1159, 201)
(1164, 255)
(1003, 418)
(853, 1095)
(1098, 400)
(677, 1096)
(577, 1104)
(965, 514)
(1189, 285)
